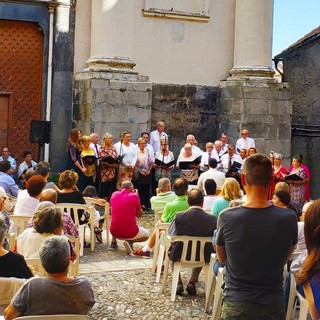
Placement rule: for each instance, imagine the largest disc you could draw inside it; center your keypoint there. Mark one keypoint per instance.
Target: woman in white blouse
(165, 156)
(127, 152)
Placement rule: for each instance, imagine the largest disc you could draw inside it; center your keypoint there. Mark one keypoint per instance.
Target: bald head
(49, 195)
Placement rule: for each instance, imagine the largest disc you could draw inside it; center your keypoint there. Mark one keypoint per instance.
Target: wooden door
(21, 64)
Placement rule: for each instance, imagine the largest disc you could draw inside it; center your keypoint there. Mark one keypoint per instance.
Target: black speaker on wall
(40, 131)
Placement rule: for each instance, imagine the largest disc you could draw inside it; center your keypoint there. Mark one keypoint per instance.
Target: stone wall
(186, 109)
(301, 69)
(264, 108)
(110, 102)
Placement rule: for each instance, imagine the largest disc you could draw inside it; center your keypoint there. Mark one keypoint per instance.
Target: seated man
(180, 187)
(6, 181)
(27, 164)
(210, 188)
(164, 195)
(192, 222)
(63, 294)
(125, 205)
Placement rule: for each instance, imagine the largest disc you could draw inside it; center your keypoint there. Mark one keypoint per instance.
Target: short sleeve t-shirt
(257, 242)
(171, 208)
(125, 205)
(58, 297)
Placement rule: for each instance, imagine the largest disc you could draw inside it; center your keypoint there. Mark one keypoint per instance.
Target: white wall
(168, 51)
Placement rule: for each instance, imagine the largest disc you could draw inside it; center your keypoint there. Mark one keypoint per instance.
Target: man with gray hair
(63, 294)
(126, 208)
(164, 195)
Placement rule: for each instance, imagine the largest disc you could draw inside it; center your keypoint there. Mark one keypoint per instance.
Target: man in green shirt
(180, 187)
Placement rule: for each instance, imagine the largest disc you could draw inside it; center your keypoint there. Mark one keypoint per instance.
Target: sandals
(191, 288)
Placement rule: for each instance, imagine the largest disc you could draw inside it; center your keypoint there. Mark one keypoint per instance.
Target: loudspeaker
(40, 131)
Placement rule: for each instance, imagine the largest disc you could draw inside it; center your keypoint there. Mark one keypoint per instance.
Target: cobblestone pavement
(125, 286)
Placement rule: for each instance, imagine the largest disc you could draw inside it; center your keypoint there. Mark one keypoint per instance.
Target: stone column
(251, 98)
(109, 94)
(253, 39)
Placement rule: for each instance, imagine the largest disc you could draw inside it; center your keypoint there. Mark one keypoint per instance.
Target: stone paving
(125, 286)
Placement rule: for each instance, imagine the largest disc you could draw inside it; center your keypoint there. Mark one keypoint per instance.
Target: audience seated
(180, 187)
(126, 208)
(212, 173)
(27, 164)
(47, 222)
(210, 188)
(192, 222)
(6, 181)
(230, 191)
(11, 264)
(27, 204)
(57, 293)
(164, 195)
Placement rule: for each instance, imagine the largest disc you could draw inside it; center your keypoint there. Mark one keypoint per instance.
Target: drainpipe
(49, 78)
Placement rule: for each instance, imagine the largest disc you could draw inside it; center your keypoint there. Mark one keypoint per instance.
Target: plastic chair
(186, 261)
(157, 215)
(20, 223)
(106, 216)
(211, 283)
(11, 238)
(74, 265)
(8, 288)
(159, 227)
(294, 296)
(56, 316)
(74, 207)
(36, 267)
(217, 301)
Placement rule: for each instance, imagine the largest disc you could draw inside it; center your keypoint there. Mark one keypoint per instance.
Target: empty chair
(211, 283)
(217, 300)
(106, 216)
(195, 260)
(74, 207)
(8, 288)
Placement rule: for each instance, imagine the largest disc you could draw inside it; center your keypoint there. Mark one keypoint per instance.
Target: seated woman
(230, 191)
(26, 205)
(11, 264)
(47, 222)
(309, 275)
(190, 172)
(281, 198)
(63, 294)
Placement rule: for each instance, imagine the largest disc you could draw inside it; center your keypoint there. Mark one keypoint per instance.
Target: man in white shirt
(244, 142)
(231, 160)
(212, 173)
(206, 156)
(224, 140)
(192, 140)
(96, 147)
(157, 135)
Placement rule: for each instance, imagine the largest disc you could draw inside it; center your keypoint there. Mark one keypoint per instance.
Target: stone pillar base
(110, 97)
(258, 73)
(263, 107)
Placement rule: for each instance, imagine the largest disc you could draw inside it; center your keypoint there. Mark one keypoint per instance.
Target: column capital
(252, 73)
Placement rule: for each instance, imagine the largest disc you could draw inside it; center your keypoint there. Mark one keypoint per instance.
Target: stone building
(301, 68)
(202, 66)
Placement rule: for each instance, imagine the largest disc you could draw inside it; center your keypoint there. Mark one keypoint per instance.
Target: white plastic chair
(11, 238)
(159, 228)
(190, 262)
(294, 296)
(74, 207)
(74, 265)
(56, 316)
(217, 301)
(8, 288)
(211, 283)
(106, 216)
(157, 215)
(36, 267)
(20, 223)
